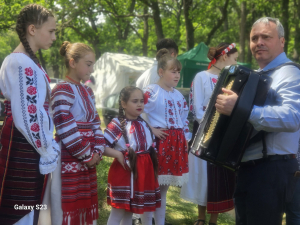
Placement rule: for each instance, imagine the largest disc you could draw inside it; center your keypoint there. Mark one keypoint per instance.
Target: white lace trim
(195, 201)
(173, 180)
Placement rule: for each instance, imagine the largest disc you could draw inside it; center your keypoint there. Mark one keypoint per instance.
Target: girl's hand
(159, 133)
(110, 152)
(94, 160)
(120, 158)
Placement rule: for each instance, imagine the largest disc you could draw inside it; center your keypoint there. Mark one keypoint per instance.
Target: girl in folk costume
(209, 186)
(133, 185)
(77, 123)
(28, 151)
(167, 112)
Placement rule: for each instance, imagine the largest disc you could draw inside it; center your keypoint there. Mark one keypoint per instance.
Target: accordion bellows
(222, 139)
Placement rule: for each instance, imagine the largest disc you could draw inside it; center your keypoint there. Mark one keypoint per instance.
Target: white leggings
(119, 217)
(160, 213)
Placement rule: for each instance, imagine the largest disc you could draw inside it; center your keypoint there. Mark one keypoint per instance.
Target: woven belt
(269, 158)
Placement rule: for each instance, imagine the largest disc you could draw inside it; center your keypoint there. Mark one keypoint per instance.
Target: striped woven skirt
(142, 195)
(79, 185)
(21, 183)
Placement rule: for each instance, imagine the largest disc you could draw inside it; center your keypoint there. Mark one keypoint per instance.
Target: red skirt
(146, 193)
(21, 182)
(79, 188)
(173, 158)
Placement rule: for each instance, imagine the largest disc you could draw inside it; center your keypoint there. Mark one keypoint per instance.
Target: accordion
(222, 139)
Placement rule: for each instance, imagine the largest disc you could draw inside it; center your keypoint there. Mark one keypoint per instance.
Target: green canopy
(192, 62)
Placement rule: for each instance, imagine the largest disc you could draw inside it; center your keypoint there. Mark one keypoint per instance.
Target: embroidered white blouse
(166, 109)
(200, 93)
(138, 133)
(25, 85)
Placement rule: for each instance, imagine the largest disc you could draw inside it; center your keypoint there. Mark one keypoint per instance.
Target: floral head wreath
(225, 51)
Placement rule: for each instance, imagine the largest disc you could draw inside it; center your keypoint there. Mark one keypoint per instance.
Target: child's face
(170, 76)
(85, 66)
(44, 36)
(135, 105)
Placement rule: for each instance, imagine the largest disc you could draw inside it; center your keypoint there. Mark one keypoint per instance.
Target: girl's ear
(123, 104)
(224, 57)
(31, 30)
(160, 72)
(72, 63)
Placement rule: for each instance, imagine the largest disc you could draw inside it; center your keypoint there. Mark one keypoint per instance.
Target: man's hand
(226, 102)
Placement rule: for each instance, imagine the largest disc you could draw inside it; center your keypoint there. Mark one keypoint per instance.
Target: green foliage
(118, 26)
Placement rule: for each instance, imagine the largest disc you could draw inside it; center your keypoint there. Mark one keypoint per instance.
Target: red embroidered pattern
(31, 90)
(35, 127)
(32, 109)
(38, 143)
(28, 71)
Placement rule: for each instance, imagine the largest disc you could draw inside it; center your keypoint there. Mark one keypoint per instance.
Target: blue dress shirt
(280, 116)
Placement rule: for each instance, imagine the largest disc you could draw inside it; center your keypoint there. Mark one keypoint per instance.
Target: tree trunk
(285, 23)
(190, 42)
(243, 31)
(146, 33)
(296, 55)
(218, 24)
(157, 20)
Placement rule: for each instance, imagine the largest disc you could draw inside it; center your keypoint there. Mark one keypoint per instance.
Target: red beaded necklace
(74, 81)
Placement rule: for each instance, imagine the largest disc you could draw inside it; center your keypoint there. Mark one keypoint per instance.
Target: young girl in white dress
(132, 184)
(167, 112)
(74, 185)
(28, 151)
(209, 186)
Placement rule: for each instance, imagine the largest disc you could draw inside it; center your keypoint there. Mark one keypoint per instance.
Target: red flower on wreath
(28, 71)
(32, 108)
(38, 143)
(214, 80)
(31, 90)
(35, 127)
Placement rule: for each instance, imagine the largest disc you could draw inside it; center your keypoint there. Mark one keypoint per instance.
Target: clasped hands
(95, 161)
(226, 102)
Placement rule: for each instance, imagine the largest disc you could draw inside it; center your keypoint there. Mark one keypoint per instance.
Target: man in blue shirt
(265, 186)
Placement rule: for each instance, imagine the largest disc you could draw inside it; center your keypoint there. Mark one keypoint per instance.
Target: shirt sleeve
(284, 114)
(112, 133)
(150, 98)
(96, 123)
(198, 96)
(184, 115)
(24, 85)
(63, 98)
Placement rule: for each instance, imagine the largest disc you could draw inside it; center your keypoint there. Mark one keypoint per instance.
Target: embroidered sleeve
(197, 96)
(112, 133)
(96, 123)
(184, 114)
(63, 98)
(150, 95)
(24, 85)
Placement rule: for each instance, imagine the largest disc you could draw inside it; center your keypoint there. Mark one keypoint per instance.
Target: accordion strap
(278, 67)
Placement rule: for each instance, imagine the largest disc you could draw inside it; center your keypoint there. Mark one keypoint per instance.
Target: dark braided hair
(124, 96)
(31, 14)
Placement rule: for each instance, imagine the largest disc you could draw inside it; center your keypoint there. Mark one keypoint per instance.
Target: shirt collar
(280, 59)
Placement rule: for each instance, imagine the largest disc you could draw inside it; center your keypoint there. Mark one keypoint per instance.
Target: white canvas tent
(113, 71)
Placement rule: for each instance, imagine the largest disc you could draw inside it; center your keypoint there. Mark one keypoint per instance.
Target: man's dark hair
(167, 43)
